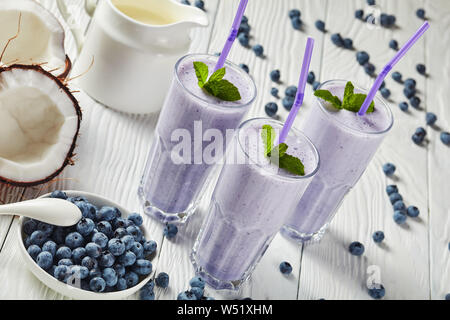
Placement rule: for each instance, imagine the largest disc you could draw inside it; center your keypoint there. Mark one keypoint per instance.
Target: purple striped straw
(300, 90)
(379, 80)
(233, 34)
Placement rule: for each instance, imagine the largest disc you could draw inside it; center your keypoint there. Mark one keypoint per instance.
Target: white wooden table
(414, 263)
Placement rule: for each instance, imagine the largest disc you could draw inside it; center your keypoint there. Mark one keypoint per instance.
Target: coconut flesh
(39, 116)
(41, 36)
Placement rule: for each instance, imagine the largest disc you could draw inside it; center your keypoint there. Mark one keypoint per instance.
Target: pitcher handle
(78, 33)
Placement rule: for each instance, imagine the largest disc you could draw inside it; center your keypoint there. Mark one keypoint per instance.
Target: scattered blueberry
(371, 2)
(162, 280)
(294, 13)
(320, 25)
(197, 292)
(200, 4)
(447, 296)
(359, 14)
(285, 268)
(410, 83)
(274, 92)
(296, 23)
(399, 205)
(378, 236)
(420, 13)
(197, 282)
(397, 76)
(445, 138)
(170, 231)
(394, 197)
(288, 102)
(430, 118)
(244, 28)
(271, 109)
(388, 169)
(186, 295)
(258, 50)
(377, 292)
(393, 44)
(356, 248)
(291, 91)
(146, 292)
(412, 211)
(399, 217)
(421, 68)
(311, 77)
(417, 139)
(369, 68)
(348, 43)
(392, 188)
(403, 106)
(415, 102)
(244, 67)
(316, 85)
(275, 75)
(409, 92)
(337, 39)
(385, 92)
(244, 39)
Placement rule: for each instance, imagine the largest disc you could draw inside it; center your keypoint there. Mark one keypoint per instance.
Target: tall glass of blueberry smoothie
(346, 143)
(251, 201)
(174, 178)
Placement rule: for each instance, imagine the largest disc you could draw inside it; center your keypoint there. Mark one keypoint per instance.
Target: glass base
(290, 233)
(161, 215)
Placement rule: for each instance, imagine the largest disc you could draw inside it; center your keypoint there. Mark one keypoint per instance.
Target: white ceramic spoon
(53, 211)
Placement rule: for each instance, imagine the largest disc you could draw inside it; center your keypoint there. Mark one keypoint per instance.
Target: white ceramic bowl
(63, 288)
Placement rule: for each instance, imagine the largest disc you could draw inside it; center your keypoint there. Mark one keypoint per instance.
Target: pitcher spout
(189, 17)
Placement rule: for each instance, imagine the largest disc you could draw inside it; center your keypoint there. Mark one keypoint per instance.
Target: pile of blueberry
(103, 252)
(401, 212)
(338, 41)
(196, 292)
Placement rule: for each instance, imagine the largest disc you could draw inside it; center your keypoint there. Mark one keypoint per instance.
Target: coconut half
(40, 39)
(39, 125)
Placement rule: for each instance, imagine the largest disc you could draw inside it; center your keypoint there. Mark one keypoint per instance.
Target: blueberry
(410, 83)
(29, 226)
(142, 267)
(85, 226)
(337, 39)
(391, 20)
(390, 189)
(274, 92)
(34, 251)
(131, 278)
(87, 210)
(291, 91)
(244, 67)
(120, 270)
(385, 92)
(200, 4)
(417, 139)
(445, 138)
(128, 240)
(95, 273)
(138, 250)
(420, 13)
(162, 280)
(97, 284)
(285, 268)
(348, 43)
(397, 76)
(120, 223)
(362, 57)
(170, 231)
(44, 260)
(320, 25)
(384, 20)
(258, 50)
(316, 85)
(447, 296)
(147, 295)
(430, 118)
(356, 248)
(89, 263)
(27, 242)
(121, 284)
(377, 291)
(58, 194)
(38, 238)
(244, 39)
(294, 13)
(74, 240)
(101, 239)
(78, 254)
(45, 228)
(110, 276)
(79, 272)
(399, 206)
(288, 102)
(197, 282)
(116, 247)
(403, 106)
(409, 92)
(197, 292)
(135, 232)
(104, 227)
(106, 260)
(186, 2)
(359, 14)
(93, 250)
(136, 218)
(378, 236)
(186, 295)
(369, 68)
(120, 233)
(393, 44)
(421, 68)
(275, 75)
(388, 169)
(311, 77)
(59, 235)
(61, 272)
(107, 214)
(415, 102)
(244, 19)
(394, 197)
(244, 27)
(149, 247)
(271, 109)
(412, 211)
(399, 217)
(65, 262)
(127, 259)
(50, 246)
(371, 2)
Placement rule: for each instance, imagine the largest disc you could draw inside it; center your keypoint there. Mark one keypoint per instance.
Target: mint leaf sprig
(216, 85)
(352, 101)
(278, 153)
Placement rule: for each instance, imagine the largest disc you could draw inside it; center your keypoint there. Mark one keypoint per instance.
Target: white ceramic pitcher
(134, 45)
